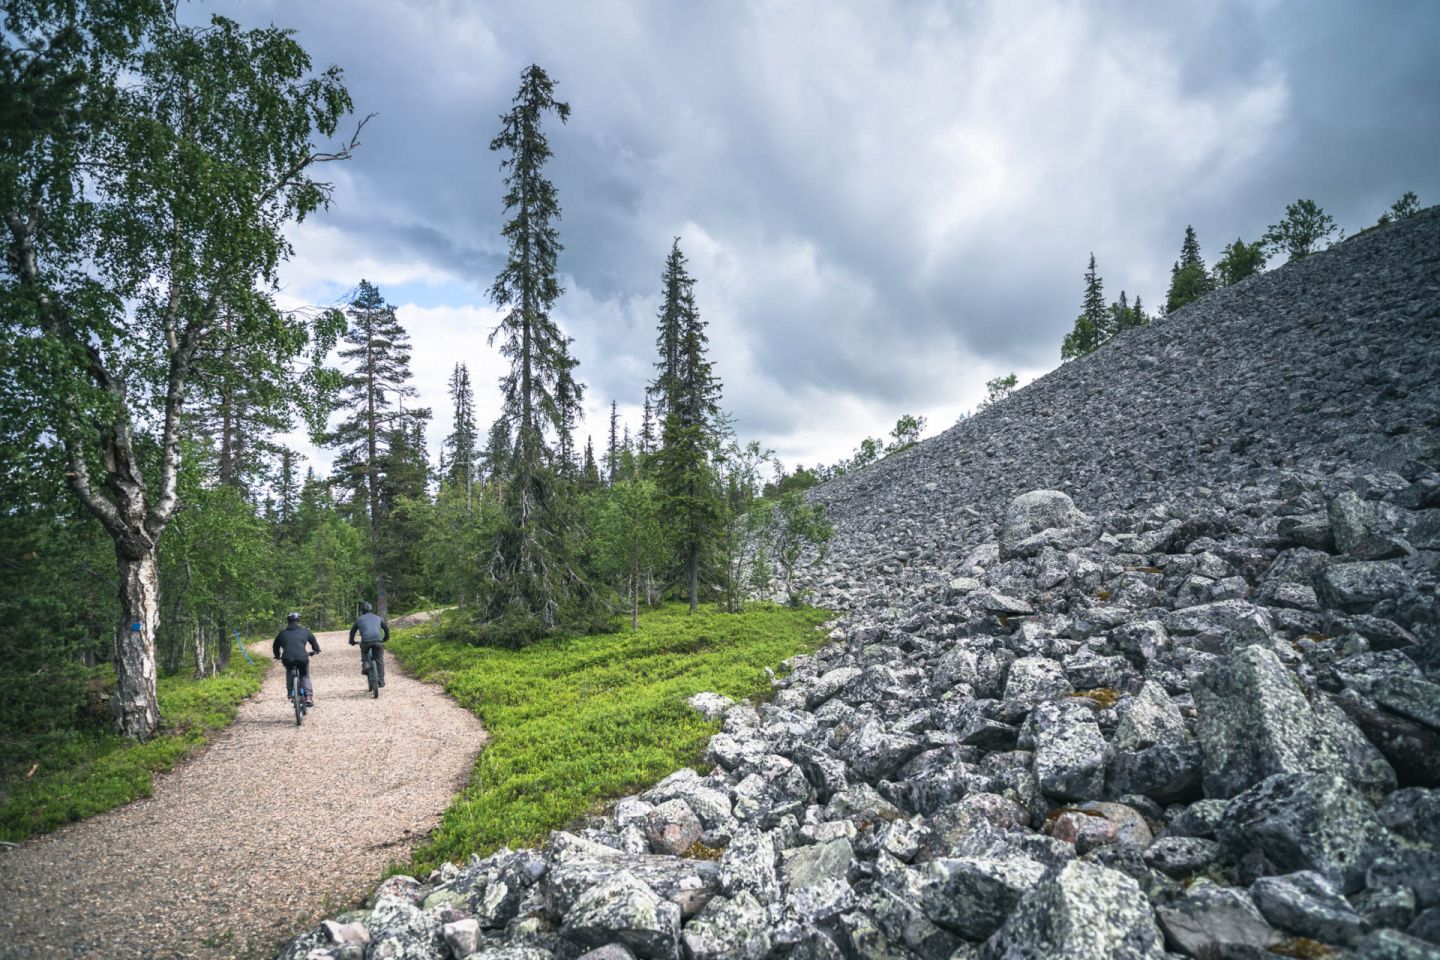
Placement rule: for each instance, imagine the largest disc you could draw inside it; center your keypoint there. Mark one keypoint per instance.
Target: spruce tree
(535, 585)
(647, 429)
(1092, 326)
(590, 471)
(461, 447)
(676, 299)
(612, 454)
(375, 385)
(1189, 279)
(690, 398)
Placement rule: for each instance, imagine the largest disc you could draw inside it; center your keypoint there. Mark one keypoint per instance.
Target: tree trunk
(136, 712)
(694, 580)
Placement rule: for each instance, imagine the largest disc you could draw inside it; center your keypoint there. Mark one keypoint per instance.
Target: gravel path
(206, 866)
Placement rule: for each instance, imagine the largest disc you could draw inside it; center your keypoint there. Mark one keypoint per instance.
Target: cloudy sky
(884, 204)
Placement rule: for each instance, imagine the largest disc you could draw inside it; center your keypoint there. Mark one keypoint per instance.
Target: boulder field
(1140, 662)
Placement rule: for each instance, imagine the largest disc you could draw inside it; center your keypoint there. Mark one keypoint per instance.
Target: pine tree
(536, 588)
(461, 447)
(690, 399)
(1189, 279)
(372, 394)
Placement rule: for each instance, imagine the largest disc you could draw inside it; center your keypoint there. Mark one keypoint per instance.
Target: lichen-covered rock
(973, 895)
(1307, 904)
(817, 878)
(1253, 721)
(623, 909)
(672, 827)
(1213, 921)
(1148, 718)
(1070, 753)
(736, 927)
(1357, 587)
(1034, 512)
(1181, 856)
(1082, 912)
(1307, 821)
(399, 930)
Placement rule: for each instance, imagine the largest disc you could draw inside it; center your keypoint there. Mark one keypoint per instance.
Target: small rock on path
(248, 843)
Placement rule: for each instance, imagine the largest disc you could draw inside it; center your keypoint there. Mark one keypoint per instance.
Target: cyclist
(373, 634)
(291, 649)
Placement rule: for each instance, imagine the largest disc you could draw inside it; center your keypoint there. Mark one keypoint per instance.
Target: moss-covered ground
(576, 722)
(55, 778)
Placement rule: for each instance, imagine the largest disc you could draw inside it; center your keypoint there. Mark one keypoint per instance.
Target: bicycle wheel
(372, 670)
(297, 699)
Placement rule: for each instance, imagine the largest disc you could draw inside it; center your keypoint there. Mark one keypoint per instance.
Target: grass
(69, 775)
(575, 723)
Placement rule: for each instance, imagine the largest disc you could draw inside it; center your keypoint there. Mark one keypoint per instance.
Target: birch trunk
(136, 712)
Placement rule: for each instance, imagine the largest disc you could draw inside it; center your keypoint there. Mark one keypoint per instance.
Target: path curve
(205, 866)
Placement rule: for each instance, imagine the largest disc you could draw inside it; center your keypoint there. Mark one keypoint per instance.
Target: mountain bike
(293, 676)
(372, 672)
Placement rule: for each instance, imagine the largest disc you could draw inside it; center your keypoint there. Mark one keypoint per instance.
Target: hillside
(1326, 366)
(1141, 662)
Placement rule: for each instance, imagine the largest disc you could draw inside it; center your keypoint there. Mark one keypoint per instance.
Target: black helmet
(292, 617)
(365, 607)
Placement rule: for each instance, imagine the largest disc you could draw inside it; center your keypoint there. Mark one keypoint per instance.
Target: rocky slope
(1140, 662)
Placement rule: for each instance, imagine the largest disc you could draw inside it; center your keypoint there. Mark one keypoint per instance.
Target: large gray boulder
(1070, 752)
(623, 909)
(1080, 911)
(1034, 512)
(1212, 921)
(1253, 721)
(1307, 821)
(1307, 904)
(973, 895)
(729, 928)
(1357, 587)
(818, 879)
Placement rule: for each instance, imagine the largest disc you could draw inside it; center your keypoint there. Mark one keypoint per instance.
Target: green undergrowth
(48, 780)
(574, 723)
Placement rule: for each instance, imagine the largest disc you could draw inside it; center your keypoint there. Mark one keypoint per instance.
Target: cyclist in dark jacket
(292, 648)
(373, 634)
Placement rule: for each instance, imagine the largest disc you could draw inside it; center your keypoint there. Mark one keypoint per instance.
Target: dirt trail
(207, 866)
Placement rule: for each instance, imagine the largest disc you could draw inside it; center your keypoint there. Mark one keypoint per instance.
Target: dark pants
(303, 667)
(376, 650)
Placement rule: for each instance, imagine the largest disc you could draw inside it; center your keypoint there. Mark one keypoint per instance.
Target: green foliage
(1092, 326)
(793, 529)
(1240, 260)
(1305, 228)
(629, 539)
(533, 585)
(576, 722)
(690, 394)
(739, 466)
(906, 433)
(998, 389)
(1189, 278)
(81, 772)
(1407, 206)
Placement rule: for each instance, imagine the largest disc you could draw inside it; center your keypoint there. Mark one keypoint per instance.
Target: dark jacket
(291, 642)
(370, 627)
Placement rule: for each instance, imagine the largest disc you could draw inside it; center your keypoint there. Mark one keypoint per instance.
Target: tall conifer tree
(375, 386)
(689, 394)
(462, 446)
(1189, 279)
(535, 586)
(1092, 327)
